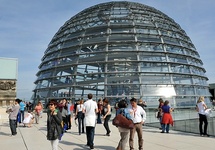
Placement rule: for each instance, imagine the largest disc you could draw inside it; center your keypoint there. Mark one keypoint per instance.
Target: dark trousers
(203, 119)
(13, 126)
(80, 122)
(90, 131)
(22, 116)
(65, 123)
(99, 117)
(107, 118)
(69, 121)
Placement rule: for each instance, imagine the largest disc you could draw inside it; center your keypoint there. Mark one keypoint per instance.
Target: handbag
(122, 121)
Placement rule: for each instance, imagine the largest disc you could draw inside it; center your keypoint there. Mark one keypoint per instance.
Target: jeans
(165, 127)
(99, 117)
(22, 115)
(18, 118)
(90, 131)
(13, 126)
(107, 118)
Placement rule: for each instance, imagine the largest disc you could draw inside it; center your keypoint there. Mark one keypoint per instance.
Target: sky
(27, 27)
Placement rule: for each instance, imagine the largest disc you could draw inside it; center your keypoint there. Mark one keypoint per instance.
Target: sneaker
(206, 135)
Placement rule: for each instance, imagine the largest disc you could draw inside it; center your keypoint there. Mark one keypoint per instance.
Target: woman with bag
(54, 127)
(124, 132)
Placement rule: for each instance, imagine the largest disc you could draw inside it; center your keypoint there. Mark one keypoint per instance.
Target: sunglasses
(51, 104)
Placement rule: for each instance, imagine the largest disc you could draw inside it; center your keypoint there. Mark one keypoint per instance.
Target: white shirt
(28, 118)
(138, 115)
(201, 108)
(90, 107)
(79, 107)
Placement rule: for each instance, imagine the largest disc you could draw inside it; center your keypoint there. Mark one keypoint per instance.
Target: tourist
(138, 115)
(90, 109)
(13, 112)
(80, 116)
(124, 133)
(201, 107)
(100, 107)
(159, 112)
(167, 117)
(142, 103)
(37, 111)
(69, 115)
(63, 109)
(54, 127)
(106, 115)
(29, 118)
(22, 110)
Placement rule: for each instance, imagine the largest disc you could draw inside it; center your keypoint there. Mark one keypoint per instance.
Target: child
(28, 120)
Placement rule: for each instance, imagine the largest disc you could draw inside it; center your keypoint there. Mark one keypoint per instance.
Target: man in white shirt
(138, 115)
(90, 109)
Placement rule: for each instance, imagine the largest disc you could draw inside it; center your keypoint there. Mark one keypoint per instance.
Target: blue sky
(27, 27)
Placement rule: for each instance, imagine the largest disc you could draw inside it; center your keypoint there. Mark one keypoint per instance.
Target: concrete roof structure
(34, 138)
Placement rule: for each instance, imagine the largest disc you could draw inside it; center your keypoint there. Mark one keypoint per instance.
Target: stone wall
(7, 92)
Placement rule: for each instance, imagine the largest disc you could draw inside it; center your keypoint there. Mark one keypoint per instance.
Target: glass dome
(122, 50)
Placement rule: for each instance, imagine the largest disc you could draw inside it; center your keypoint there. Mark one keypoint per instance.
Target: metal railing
(185, 120)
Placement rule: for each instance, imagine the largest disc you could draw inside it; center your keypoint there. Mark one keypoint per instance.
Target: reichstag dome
(122, 50)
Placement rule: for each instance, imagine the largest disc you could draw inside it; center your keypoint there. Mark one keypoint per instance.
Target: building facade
(122, 50)
(8, 79)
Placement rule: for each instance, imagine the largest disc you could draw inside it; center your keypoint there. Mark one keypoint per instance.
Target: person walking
(142, 103)
(201, 107)
(106, 115)
(80, 116)
(37, 110)
(124, 133)
(63, 109)
(159, 113)
(13, 112)
(69, 115)
(54, 127)
(138, 115)
(100, 107)
(22, 110)
(167, 117)
(90, 109)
